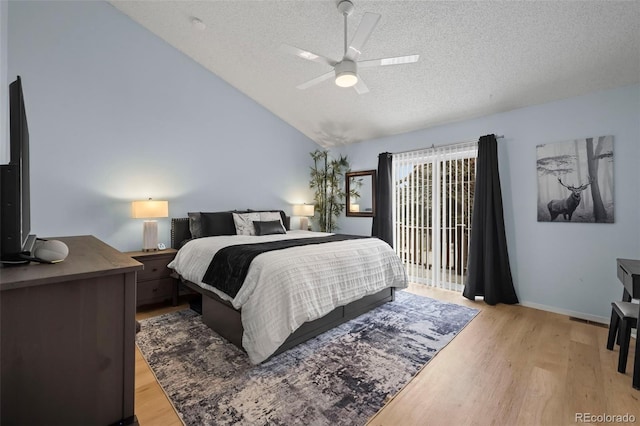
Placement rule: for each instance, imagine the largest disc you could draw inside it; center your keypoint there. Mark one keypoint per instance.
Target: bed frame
(224, 319)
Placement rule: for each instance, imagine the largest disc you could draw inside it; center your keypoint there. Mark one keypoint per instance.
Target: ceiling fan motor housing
(346, 73)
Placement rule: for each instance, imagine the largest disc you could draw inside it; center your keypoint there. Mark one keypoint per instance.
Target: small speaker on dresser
(49, 251)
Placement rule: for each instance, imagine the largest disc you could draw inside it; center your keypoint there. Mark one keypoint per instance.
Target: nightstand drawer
(154, 291)
(155, 284)
(154, 269)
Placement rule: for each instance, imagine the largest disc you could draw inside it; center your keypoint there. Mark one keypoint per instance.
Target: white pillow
(244, 223)
(270, 217)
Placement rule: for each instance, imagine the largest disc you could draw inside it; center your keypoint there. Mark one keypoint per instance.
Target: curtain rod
(439, 146)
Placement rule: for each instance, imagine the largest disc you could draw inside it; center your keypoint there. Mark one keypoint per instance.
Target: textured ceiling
(476, 58)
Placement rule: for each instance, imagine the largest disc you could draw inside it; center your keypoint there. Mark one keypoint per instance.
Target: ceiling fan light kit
(346, 73)
(346, 70)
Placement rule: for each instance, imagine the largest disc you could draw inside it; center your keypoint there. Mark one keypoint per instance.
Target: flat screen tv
(15, 212)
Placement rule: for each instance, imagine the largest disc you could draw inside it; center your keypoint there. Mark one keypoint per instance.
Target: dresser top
(88, 258)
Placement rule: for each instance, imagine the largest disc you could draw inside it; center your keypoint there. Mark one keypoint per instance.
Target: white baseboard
(580, 315)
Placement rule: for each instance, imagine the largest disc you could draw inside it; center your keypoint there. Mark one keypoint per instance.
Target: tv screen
(15, 211)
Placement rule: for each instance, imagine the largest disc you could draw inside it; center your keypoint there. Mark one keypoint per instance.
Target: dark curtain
(383, 219)
(488, 270)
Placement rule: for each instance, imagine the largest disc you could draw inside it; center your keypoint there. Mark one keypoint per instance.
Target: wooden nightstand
(154, 283)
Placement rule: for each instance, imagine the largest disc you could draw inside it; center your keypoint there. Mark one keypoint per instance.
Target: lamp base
(150, 235)
(304, 223)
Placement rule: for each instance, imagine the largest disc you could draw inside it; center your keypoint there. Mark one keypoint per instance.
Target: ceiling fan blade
(399, 60)
(305, 54)
(360, 87)
(316, 80)
(368, 23)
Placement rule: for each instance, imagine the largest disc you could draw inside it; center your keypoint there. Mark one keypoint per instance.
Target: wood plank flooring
(510, 366)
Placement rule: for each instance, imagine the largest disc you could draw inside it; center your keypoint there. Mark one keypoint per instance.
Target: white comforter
(286, 288)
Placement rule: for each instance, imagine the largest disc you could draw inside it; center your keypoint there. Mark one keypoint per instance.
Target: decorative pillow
(244, 223)
(270, 217)
(195, 225)
(283, 217)
(217, 223)
(270, 227)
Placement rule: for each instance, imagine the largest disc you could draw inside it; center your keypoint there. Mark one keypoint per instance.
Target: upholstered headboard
(180, 230)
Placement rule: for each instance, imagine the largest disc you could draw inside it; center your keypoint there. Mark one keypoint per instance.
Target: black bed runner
(229, 266)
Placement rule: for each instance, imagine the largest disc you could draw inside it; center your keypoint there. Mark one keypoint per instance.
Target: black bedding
(230, 265)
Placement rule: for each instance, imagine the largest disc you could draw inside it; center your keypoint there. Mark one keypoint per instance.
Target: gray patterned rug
(342, 377)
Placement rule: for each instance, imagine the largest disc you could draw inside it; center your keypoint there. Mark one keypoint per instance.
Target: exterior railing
(415, 248)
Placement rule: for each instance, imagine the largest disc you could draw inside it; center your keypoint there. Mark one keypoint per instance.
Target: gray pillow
(195, 225)
(269, 227)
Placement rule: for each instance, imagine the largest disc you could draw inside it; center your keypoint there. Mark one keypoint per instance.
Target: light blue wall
(116, 114)
(4, 84)
(569, 268)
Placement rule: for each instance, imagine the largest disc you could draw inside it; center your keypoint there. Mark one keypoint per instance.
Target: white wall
(116, 114)
(569, 268)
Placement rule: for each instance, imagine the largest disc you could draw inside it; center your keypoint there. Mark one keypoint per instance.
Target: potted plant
(327, 180)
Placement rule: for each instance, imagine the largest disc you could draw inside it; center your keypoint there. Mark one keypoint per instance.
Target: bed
(288, 295)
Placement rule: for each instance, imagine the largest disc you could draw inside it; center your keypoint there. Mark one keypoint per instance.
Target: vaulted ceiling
(476, 58)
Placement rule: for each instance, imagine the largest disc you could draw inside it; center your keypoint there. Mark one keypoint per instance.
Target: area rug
(342, 377)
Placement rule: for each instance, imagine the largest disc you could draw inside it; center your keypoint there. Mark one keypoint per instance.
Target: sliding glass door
(432, 203)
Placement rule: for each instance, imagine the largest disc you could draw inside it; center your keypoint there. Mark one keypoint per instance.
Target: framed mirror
(361, 193)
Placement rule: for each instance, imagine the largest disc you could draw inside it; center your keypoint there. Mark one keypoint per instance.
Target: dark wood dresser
(68, 338)
(155, 283)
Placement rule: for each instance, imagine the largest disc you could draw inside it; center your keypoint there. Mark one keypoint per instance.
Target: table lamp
(354, 208)
(149, 209)
(304, 211)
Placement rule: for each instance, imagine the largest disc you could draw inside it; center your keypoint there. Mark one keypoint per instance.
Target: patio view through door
(433, 193)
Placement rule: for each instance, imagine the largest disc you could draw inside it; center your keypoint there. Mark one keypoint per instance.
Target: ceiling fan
(346, 70)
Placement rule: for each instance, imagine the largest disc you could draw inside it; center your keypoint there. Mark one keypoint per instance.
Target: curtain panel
(383, 220)
(488, 272)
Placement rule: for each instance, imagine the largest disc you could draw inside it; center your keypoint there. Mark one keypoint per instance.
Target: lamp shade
(303, 210)
(354, 208)
(148, 209)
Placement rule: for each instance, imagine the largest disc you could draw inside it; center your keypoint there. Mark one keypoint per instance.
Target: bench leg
(625, 337)
(613, 329)
(636, 363)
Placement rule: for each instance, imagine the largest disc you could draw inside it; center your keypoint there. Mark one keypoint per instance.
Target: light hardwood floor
(510, 366)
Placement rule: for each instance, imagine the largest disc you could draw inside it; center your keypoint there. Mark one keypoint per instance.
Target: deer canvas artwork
(575, 181)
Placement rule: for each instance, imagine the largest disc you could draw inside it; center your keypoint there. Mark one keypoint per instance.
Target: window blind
(432, 204)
